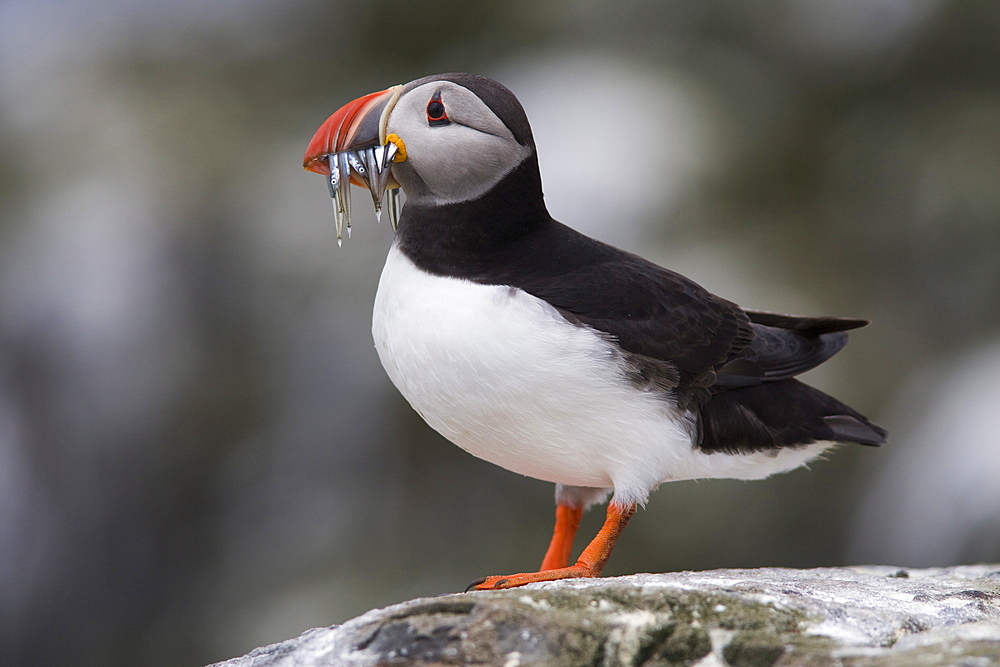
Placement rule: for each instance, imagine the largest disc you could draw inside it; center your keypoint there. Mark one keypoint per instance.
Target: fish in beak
(352, 147)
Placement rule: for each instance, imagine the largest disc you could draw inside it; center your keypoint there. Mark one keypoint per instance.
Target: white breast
(504, 376)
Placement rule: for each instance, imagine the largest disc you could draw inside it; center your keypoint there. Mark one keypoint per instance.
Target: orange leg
(590, 564)
(561, 546)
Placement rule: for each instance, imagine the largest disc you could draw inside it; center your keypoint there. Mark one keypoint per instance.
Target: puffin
(550, 353)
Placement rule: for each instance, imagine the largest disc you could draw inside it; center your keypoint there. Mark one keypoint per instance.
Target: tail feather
(785, 413)
(782, 347)
(809, 326)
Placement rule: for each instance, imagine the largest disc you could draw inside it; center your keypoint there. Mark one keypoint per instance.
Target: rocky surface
(852, 617)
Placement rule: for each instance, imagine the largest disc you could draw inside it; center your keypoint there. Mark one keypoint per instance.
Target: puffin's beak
(352, 146)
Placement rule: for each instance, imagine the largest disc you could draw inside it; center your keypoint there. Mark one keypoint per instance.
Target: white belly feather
(505, 377)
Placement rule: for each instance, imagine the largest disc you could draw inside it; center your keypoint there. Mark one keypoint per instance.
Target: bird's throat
(450, 239)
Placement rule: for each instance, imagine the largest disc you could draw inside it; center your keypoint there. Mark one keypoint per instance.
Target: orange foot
(591, 562)
(499, 581)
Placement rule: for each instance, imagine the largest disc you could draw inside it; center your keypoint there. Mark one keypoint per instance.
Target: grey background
(199, 451)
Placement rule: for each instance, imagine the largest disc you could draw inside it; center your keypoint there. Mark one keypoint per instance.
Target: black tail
(785, 413)
(782, 347)
(810, 326)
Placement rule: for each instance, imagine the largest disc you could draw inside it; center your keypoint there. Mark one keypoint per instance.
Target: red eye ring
(436, 114)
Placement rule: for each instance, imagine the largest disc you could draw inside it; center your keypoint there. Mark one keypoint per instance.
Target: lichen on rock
(849, 616)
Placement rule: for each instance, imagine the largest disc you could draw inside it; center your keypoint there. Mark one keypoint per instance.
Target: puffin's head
(444, 138)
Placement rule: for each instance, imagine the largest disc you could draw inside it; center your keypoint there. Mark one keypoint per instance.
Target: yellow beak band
(400, 155)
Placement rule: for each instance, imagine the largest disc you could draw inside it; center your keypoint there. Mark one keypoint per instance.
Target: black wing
(673, 325)
(735, 368)
(650, 311)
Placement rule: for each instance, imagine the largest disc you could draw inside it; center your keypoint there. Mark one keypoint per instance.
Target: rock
(852, 616)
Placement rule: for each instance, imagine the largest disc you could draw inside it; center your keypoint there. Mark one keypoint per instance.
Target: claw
(475, 584)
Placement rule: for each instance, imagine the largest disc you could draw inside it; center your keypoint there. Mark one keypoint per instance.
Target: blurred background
(199, 451)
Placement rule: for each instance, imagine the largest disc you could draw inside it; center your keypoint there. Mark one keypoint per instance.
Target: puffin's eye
(436, 115)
